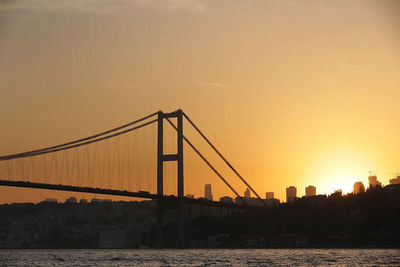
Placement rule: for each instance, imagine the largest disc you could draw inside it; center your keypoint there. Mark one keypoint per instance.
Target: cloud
(103, 6)
(123, 86)
(211, 85)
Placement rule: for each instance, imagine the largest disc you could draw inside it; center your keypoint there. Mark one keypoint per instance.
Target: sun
(341, 179)
(339, 170)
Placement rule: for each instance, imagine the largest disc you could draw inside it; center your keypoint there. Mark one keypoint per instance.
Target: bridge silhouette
(120, 162)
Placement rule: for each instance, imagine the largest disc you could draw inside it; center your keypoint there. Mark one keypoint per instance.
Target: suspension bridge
(141, 159)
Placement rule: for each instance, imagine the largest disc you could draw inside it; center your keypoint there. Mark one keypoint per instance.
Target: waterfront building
(291, 193)
(358, 188)
(269, 195)
(311, 191)
(373, 181)
(208, 192)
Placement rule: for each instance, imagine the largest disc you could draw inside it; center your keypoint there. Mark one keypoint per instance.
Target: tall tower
(208, 192)
(291, 193)
(178, 158)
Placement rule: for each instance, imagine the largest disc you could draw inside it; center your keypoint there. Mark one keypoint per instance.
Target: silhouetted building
(226, 199)
(71, 200)
(247, 193)
(238, 200)
(208, 192)
(395, 180)
(269, 195)
(51, 200)
(358, 188)
(311, 191)
(83, 200)
(252, 201)
(272, 202)
(373, 181)
(338, 192)
(291, 194)
(189, 196)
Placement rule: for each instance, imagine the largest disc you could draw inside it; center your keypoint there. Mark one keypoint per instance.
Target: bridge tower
(161, 158)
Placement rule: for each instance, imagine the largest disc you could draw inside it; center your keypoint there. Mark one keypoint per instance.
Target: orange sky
(292, 92)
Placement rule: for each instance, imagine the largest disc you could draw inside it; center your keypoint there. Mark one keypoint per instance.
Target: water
(201, 257)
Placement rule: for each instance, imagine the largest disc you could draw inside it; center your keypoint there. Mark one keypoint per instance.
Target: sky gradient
(292, 92)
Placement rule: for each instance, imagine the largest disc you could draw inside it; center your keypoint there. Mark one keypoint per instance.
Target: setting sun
(339, 169)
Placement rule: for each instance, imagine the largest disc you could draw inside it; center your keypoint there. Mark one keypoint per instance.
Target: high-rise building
(311, 191)
(291, 193)
(247, 193)
(208, 192)
(358, 188)
(395, 180)
(373, 181)
(269, 195)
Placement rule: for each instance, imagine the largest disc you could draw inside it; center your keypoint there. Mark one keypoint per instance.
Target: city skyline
(373, 181)
(310, 191)
(293, 93)
(199, 132)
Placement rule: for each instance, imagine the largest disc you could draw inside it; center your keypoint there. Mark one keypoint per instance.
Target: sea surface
(201, 257)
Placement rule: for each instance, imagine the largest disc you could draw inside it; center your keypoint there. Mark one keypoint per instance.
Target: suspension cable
(33, 152)
(76, 145)
(208, 163)
(223, 158)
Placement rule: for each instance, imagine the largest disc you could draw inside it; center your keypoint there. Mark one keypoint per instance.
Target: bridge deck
(123, 193)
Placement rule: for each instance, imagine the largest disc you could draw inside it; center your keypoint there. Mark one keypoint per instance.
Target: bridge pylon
(161, 158)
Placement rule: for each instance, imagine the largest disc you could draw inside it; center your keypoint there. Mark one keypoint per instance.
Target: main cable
(33, 152)
(76, 145)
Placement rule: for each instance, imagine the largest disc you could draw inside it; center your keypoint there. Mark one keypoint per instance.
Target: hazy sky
(292, 92)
